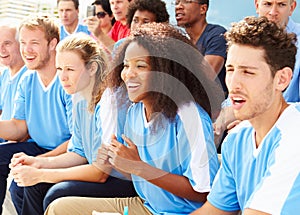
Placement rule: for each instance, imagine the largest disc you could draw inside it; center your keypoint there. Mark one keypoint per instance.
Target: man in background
(68, 11)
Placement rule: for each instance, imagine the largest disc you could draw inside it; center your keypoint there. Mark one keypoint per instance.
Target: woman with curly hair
(169, 149)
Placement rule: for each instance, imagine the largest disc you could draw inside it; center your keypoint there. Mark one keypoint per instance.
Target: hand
(26, 175)
(225, 117)
(233, 124)
(124, 158)
(102, 162)
(21, 158)
(94, 25)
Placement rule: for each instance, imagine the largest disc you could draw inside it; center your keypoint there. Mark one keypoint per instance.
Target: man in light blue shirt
(279, 12)
(42, 109)
(11, 58)
(259, 174)
(68, 11)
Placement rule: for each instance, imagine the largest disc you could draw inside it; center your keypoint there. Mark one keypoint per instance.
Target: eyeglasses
(176, 2)
(101, 15)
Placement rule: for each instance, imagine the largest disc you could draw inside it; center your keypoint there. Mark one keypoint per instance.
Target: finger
(233, 124)
(19, 154)
(128, 141)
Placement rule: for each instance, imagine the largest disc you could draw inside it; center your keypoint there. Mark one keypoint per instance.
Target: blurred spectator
(68, 11)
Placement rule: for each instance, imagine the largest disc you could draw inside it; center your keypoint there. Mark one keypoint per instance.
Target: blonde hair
(44, 23)
(89, 52)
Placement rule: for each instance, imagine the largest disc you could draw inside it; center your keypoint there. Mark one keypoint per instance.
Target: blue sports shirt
(265, 178)
(292, 93)
(8, 88)
(46, 110)
(184, 147)
(80, 28)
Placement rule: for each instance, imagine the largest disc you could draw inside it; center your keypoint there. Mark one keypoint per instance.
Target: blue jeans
(7, 150)
(38, 197)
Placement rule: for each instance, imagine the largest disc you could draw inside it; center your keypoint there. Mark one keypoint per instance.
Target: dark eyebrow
(242, 67)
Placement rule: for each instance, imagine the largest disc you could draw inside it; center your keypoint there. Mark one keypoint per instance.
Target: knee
(56, 207)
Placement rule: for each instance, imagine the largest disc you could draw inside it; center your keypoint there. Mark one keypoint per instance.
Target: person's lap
(85, 206)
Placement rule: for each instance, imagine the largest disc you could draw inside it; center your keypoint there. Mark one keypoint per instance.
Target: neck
(123, 21)
(16, 68)
(148, 109)
(71, 28)
(195, 30)
(263, 123)
(48, 71)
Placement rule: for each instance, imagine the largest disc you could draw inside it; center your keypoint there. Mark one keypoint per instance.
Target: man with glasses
(191, 15)
(68, 11)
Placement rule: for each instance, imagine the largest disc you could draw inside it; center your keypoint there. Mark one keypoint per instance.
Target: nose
(274, 10)
(233, 80)
(62, 75)
(2, 48)
(128, 73)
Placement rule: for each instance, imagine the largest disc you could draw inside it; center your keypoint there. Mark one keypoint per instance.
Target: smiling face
(136, 72)
(249, 81)
(72, 72)
(9, 47)
(35, 49)
(277, 11)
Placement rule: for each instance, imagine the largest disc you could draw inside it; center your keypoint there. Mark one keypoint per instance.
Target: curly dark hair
(178, 75)
(279, 46)
(157, 7)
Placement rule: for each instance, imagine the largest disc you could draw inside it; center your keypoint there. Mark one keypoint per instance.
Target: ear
(256, 3)
(53, 44)
(203, 9)
(93, 68)
(283, 78)
(293, 6)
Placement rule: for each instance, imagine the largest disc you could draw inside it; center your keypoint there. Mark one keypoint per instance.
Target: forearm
(13, 130)
(62, 148)
(68, 159)
(86, 172)
(106, 41)
(169, 182)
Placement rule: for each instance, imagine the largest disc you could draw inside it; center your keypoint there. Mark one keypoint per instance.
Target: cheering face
(9, 47)
(187, 14)
(35, 49)
(249, 81)
(277, 11)
(72, 72)
(136, 72)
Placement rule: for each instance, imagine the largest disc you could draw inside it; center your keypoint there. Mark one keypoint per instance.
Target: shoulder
(194, 111)
(213, 28)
